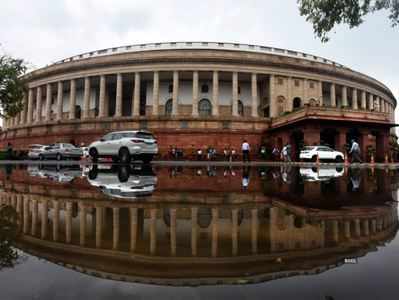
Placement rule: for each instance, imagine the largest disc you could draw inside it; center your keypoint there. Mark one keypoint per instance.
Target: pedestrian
(262, 152)
(286, 153)
(245, 150)
(226, 154)
(355, 152)
(276, 154)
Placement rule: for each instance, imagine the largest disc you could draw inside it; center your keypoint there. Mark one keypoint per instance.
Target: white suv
(123, 146)
(324, 152)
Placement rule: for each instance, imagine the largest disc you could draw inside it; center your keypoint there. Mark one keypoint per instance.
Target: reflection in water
(8, 235)
(202, 225)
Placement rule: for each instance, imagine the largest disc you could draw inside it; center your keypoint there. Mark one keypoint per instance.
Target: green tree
(325, 14)
(8, 235)
(11, 85)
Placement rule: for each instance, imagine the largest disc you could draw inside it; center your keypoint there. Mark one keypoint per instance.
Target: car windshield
(68, 146)
(144, 135)
(307, 148)
(35, 146)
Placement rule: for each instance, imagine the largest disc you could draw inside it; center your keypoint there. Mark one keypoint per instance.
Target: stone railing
(331, 113)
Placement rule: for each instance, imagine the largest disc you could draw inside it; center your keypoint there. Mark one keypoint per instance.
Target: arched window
(205, 108)
(240, 108)
(296, 103)
(204, 88)
(168, 107)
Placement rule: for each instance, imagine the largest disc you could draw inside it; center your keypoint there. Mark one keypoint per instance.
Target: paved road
(205, 163)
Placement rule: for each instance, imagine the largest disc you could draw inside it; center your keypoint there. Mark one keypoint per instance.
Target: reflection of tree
(8, 234)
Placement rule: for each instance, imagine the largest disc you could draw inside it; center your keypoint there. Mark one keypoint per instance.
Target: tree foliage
(8, 235)
(325, 14)
(11, 85)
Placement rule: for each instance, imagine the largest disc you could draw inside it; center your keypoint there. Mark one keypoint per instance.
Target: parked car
(60, 151)
(324, 152)
(56, 172)
(122, 181)
(323, 173)
(124, 146)
(35, 150)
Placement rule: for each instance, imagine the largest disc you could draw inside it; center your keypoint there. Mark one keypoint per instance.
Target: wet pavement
(70, 231)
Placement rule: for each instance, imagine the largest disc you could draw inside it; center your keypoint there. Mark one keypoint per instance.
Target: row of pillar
(26, 116)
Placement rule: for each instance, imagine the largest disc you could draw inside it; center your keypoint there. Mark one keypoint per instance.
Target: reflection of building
(187, 243)
(200, 93)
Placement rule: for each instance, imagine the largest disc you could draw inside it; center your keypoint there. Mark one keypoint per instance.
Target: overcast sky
(44, 31)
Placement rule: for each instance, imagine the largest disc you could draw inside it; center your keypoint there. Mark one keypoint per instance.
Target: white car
(35, 150)
(324, 152)
(123, 181)
(321, 174)
(124, 146)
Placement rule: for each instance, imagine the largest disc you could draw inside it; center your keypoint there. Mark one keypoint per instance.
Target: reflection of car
(324, 152)
(124, 146)
(35, 150)
(61, 151)
(321, 174)
(123, 181)
(58, 173)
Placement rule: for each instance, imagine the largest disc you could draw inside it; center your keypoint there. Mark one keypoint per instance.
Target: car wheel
(314, 158)
(58, 157)
(147, 158)
(93, 154)
(93, 172)
(124, 156)
(338, 159)
(124, 173)
(41, 157)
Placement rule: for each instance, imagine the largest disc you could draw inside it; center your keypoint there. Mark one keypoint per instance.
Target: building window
(168, 107)
(204, 88)
(296, 103)
(311, 84)
(239, 89)
(170, 88)
(240, 108)
(205, 108)
(296, 82)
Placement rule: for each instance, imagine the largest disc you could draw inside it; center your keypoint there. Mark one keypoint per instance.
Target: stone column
(371, 102)
(354, 99)
(234, 231)
(194, 231)
(115, 227)
(72, 99)
(272, 100)
(175, 94)
(118, 101)
(38, 104)
(59, 100)
(289, 105)
(173, 231)
(48, 102)
(333, 95)
(133, 229)
(254, 93)
(26, 215)
(320, 92)
(86, 99)
(153, 231)
(195, 94)
(82, 223)
(344, 96)
(335, 230)
(215, 231)
(366, 228)
(44, 221)
(22, 120)
(364, 100)
(102, 104)
(136, 95)
(68, 222)
(155, 94)
(234, 105)
(357, 228)
(254, 230)
(56, 219)
(215, 93)
(99, 226)
(305, 91)
(30, 107)
(35, 209)
(347, 229)
(378, 104)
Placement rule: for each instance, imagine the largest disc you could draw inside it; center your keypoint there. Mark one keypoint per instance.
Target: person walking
(245, 150)
(286, 153)
(355, 152)
(276, 154)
